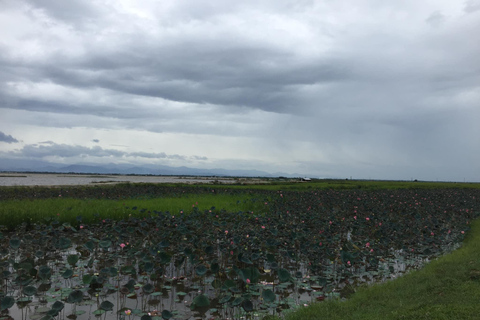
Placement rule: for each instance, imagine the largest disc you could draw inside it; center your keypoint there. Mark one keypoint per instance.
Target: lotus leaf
(75, 296)
(67, 274)
(247, 305)
(237, 301)
(44, 272)
(200, 270)
(15, 243)
(225, 298)
(29, 291)
(166, 314)
(201, 301)
(7, 302)
(284, 275)
(63, 243)
(104, 244)
(72, 259)
(106, 305)
(148, 288)
(268, 295)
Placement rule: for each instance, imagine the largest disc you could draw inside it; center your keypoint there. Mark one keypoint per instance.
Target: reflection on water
(53, 179)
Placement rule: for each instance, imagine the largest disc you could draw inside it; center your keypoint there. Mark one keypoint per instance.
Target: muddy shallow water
(52, 179)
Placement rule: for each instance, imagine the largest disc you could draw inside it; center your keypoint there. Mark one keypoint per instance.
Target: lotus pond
(302, 247)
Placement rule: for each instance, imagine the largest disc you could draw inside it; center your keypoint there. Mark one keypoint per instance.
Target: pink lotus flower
(128, 312)
(122, 245)
(248, 281)
(367, 218)
(463, 232)
(367, 244)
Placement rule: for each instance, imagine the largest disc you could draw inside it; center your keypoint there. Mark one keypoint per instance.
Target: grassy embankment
(447, 288)
(324, 184)
(16, 212)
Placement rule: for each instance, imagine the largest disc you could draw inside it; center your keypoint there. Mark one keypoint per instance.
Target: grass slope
(447, 288)
(16, 212)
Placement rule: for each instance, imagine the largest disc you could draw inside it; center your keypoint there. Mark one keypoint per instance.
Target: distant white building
(306, 179)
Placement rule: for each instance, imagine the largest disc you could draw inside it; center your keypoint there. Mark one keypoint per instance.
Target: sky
(362, 89)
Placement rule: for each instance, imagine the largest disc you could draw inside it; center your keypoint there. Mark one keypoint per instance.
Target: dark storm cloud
(7, 138)
(254, 78)
(359, 84)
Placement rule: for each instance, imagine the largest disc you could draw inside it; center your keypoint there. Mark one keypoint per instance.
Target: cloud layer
(365, 89)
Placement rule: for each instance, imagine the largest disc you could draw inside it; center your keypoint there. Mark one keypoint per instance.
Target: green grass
(325, 184)
(16, 212)
(447, 288)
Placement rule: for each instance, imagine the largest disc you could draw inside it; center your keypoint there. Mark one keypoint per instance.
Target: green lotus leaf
(104, 244)
(76, 296)
(44, 272)
(214, 267)
(15, 243)
(284, 275)
(148, 267)
(106, 305)
(268, 295)
(87, 278)
(63, 243)
(247, 305)
(148, 288)
(225, 298)
(67, 274)
(58, 305)
(90, 245)
(29, 291)
(7, 302)
(237, 301)
(165, 258)
(201, 270)
(166, 314)
(72, 259)
(99, 312)
(201, 301)
(216, 283)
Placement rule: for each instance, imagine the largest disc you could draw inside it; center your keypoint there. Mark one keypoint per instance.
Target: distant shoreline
(13, 179)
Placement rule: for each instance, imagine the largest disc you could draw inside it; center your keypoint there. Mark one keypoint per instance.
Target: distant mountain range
(43, 166)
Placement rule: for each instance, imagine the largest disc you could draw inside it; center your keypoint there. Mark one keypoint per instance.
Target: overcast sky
(360, 88)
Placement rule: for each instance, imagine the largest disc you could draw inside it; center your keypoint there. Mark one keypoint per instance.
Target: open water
(58, 179)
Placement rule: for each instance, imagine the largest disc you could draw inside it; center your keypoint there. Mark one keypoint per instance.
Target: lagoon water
(60, 179)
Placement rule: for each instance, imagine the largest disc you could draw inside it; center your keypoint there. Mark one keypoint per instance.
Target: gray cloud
(472, 6)
(360, 86)
(7, 138)
(50, 149)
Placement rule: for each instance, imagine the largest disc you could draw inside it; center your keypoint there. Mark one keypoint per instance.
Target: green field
(251, 226)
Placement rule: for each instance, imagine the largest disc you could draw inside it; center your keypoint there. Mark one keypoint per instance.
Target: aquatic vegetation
(299, 247)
